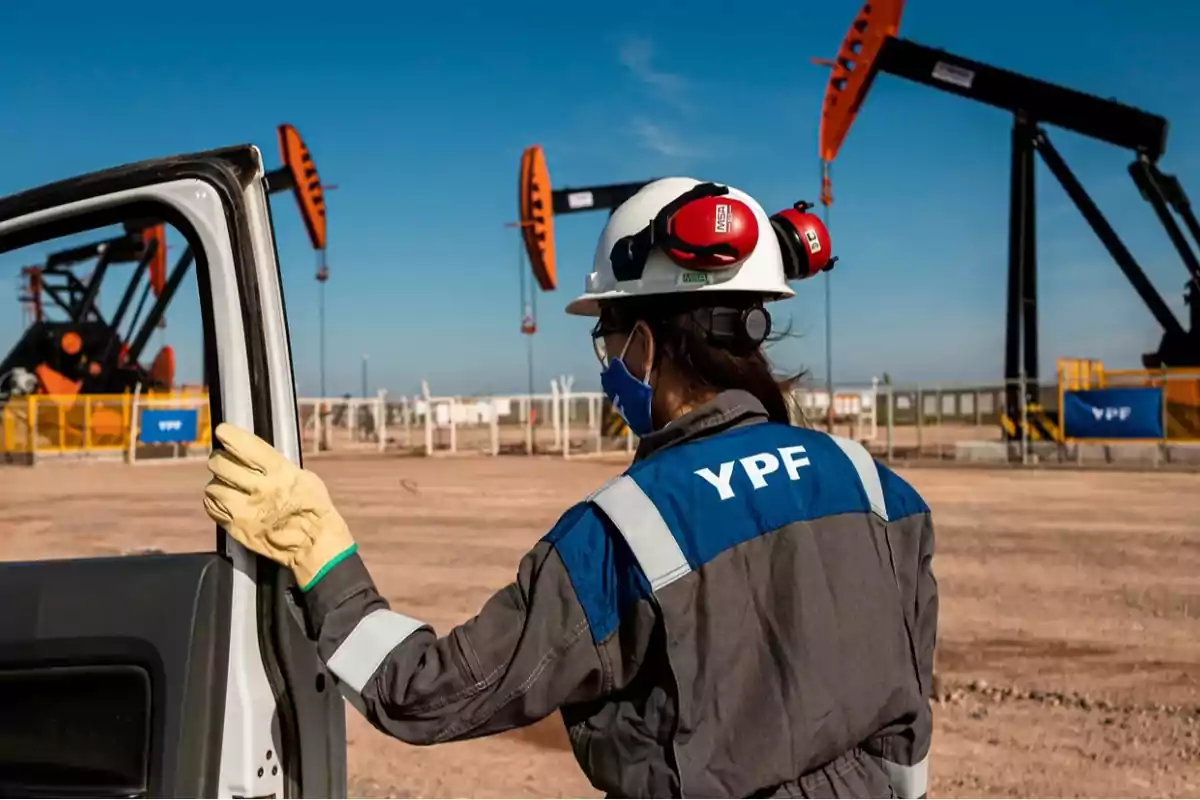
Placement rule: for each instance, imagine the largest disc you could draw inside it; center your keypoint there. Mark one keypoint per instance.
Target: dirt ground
(1069, 646)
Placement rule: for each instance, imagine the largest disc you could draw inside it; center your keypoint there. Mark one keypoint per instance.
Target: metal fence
(898, 422)
(559, 422)
(39, 427)
(991, 424)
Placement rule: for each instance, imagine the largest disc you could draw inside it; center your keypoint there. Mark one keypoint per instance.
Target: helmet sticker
(689, 277)
(721, 219)
(814, 244)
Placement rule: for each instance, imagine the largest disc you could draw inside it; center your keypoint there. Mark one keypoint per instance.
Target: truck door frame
(283, 731)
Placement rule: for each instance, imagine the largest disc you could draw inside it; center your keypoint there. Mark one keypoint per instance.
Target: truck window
(103, 399)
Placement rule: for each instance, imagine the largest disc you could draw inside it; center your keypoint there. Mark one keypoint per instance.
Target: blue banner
(1125, 413)
(168, 425)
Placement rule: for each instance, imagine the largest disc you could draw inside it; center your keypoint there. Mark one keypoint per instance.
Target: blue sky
(419, 112)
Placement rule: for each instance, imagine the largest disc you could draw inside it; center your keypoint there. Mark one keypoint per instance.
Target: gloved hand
(273, 507)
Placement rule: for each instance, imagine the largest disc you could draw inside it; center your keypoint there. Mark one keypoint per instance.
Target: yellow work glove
(273, 507)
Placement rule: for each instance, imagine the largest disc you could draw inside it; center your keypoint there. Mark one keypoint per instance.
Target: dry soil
(1068, 657)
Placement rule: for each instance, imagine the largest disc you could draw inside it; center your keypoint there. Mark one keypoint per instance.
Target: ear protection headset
(732, 327)
(738, 329)
(803, 241)
(704, 229)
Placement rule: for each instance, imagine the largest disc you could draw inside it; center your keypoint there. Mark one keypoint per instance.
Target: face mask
(629, 396)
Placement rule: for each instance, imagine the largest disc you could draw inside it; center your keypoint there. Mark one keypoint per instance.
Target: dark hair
(682, 325)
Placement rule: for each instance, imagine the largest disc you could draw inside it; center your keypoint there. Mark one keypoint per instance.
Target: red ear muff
(702, 229)
(711, 233)
(803, 241)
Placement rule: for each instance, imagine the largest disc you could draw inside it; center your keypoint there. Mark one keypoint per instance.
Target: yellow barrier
(1079, 374)
(612, 424)
(1181, 391)
(1039, 425)
(65, 424)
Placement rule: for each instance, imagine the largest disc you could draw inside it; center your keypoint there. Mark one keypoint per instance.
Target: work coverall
(748, 610)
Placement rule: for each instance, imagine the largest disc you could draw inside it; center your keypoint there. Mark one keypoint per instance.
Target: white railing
(560, 422)
(348, 423)
(855, 411)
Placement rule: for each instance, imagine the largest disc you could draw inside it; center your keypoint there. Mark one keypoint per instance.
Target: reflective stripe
(360, 654)
(868, 473)
(910, 782)
(638, 520)
(354, 698)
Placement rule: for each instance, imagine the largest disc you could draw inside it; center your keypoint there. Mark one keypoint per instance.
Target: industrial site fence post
(352, 424)
(561, 422)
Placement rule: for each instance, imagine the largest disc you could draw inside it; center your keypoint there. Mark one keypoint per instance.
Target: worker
(748, 610)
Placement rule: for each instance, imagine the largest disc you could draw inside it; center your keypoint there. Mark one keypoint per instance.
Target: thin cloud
(637, 56)
(669, 91)
(657, 139)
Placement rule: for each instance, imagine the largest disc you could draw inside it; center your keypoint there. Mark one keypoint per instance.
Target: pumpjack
(873, 47)
(538, 204)
(70, 347)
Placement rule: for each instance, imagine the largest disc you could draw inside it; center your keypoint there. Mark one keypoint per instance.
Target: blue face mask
(629, 396)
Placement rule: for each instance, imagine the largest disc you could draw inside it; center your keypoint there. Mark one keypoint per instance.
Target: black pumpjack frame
(1034, 103)
(593, 198)
(78, 299)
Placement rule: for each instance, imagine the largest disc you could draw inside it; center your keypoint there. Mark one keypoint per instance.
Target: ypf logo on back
(170, 425)
(757, 467)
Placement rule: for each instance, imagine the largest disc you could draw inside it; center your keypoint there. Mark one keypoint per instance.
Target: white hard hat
(761, 272)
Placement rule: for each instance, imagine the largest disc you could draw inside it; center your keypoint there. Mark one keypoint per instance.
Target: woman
(748, 610)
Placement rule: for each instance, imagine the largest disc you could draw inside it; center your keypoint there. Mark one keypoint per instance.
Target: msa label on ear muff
(690, 278)
(721, 219)
(814, 244)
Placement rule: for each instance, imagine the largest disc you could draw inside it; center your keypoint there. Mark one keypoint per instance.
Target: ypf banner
(1126, 413)
(168, 425)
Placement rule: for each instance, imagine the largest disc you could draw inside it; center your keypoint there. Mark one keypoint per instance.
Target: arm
(528, 652)
(546, 640)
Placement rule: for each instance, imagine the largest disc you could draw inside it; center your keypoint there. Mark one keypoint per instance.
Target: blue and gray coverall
(749, 610)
